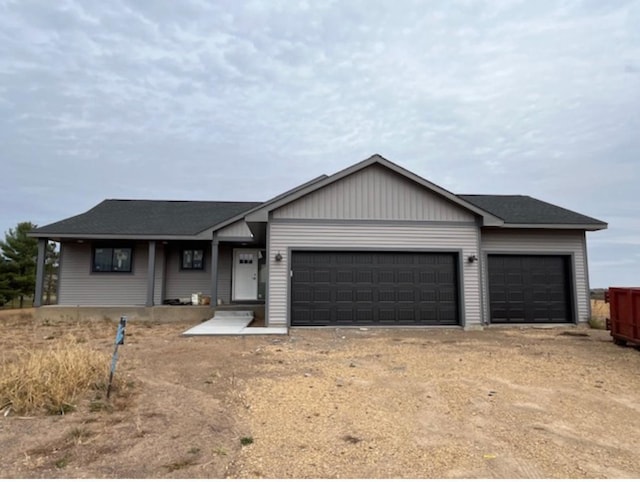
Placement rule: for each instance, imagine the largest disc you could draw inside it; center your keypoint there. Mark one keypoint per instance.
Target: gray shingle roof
(148, 218)
(517, 209)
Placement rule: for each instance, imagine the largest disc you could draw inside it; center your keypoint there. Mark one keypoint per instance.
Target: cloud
(243, 100)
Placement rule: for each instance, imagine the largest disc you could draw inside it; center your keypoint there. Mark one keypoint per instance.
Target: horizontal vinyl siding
(284, 236)
(183, 283)
(375, 193)
(238, 229)
(536, 241)
(79, 286)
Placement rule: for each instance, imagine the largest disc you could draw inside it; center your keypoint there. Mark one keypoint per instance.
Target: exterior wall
(538, 241)
(375, 193)
(285, 236)
(182, 283)
(225, 263)
(239, 229)
(78, 285)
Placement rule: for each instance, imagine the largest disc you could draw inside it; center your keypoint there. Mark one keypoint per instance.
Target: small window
(192, 259)
(111, 260)
(245, 258)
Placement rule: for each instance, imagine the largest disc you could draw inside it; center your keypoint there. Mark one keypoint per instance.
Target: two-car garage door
(373, 288)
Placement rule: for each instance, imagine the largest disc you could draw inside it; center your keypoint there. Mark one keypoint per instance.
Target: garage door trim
(486, 300)
(456, 252)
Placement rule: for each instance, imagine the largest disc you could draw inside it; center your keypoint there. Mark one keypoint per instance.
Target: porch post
(214, 270)
(42, 249)
(151, 273)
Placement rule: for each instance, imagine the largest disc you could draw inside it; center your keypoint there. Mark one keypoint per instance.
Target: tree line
(18, 257)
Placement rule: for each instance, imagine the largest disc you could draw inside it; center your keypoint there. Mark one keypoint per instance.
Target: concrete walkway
(232, 323)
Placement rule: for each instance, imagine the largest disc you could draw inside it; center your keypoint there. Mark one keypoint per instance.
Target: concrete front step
(233, 323)
(219, 314)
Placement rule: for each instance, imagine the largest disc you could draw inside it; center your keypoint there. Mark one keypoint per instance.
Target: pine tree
(52, 262)
(20, 253)
(7, 271)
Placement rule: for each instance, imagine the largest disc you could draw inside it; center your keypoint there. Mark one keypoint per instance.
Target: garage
(373, 288)
(530, 289)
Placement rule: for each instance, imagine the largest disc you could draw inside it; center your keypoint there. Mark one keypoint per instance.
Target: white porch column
(151, 273)
(42, 251)
(214, 271)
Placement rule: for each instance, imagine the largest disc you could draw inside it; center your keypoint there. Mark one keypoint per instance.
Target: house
(373, 244)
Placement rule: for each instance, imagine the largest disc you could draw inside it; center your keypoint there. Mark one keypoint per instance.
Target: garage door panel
(375, 288)
(529, 289)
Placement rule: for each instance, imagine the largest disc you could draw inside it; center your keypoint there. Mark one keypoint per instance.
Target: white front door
(245, 274)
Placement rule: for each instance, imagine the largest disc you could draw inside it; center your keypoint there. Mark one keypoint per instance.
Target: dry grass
(599, 313)
(53, 378)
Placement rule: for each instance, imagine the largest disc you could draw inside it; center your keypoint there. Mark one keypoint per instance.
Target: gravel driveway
(349, 403)
(541, 403)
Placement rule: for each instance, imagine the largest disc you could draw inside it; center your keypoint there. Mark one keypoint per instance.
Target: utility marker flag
(119, 341)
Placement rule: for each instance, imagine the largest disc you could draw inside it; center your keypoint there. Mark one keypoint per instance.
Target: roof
(525, 210)
(261, 214)
(146, 218)
(121, 218)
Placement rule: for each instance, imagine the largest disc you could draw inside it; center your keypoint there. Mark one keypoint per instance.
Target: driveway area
(345, 403)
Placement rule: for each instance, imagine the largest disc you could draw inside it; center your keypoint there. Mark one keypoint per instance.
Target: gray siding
(239, 229)
(79, 286)
(183, 283)
(537, 241)
(286, 235)
(375, 193)
(225, 262)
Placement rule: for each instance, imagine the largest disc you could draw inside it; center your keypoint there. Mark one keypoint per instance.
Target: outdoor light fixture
(472, 258)
(278, 256)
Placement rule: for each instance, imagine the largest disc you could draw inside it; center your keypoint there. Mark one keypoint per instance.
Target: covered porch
(159, 279)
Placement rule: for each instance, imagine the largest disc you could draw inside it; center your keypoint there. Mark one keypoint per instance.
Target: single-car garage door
(529, 289)
(373, 288)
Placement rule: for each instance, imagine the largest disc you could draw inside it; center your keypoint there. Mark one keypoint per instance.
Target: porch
(154, 314)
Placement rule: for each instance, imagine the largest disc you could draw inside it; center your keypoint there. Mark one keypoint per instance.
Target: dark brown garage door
(373, 288)
(530, 289)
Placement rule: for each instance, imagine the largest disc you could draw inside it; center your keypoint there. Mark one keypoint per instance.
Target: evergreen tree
(7, 272)
(52, 261)
(20, 253)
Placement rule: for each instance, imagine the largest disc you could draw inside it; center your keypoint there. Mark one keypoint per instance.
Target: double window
(192, 259)
(111, 259)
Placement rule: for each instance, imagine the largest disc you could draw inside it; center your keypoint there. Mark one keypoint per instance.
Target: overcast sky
(233, 100)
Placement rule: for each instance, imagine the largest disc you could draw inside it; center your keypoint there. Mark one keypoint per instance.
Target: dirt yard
(338, 403)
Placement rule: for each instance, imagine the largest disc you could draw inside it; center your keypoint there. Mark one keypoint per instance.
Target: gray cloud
(243, 100)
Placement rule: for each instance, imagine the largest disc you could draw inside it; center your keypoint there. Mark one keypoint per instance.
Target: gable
(239, 229)
(374, 193)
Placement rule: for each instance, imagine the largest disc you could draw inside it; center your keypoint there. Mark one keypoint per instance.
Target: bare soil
(337, 403)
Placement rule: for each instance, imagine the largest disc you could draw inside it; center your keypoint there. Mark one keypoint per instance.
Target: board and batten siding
(374, 193)
(538, 241)
(79, 286)
(183, 283)
(370, 236)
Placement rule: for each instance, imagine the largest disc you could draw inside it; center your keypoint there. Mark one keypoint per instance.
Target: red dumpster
(624, 317)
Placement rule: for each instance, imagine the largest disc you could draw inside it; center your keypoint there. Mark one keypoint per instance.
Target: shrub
(52, 379)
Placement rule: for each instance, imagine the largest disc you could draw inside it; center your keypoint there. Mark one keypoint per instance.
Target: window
(111, 260)
(192, 259)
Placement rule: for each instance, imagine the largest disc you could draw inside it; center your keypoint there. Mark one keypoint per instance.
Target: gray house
(373, 244)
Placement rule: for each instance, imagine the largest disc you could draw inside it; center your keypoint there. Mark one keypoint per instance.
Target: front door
(245, 274)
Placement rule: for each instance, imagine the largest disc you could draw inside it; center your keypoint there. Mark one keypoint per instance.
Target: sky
(242, 100)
